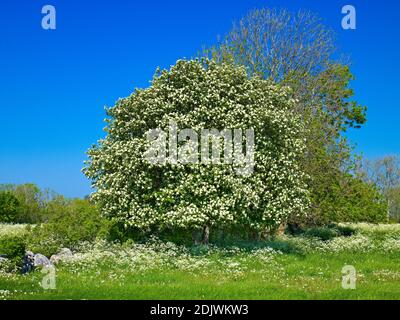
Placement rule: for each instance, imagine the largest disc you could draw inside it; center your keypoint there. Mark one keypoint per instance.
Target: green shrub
(185, 236)
(67, 226)
(9, 206)
(345, 231)
(358, 201)
(181, 236)
(284, 246)
(118, 232)
(31, 200)
(345, 198)
(327, 232)
(13, 247)
(323, 233)
(32, 204)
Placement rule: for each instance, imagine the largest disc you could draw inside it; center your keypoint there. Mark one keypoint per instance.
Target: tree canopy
(201, 95)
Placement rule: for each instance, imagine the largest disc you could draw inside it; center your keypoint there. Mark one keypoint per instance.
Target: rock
(65, 254)
(55, 258)
(28, 262)
(31, 261)
(40, 260)
(3, 259)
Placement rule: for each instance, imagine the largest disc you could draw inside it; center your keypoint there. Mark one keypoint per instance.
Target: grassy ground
(315, 276)
(294, 269)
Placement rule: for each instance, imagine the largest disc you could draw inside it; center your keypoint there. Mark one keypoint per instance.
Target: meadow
(288, 267)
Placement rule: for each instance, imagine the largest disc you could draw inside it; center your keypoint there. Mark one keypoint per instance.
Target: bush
(9, 206)
(67, 226)
(346, 231)
(358, 201)
(285, 246)
(13, 247)
(323, 233)
(345, 199)
(31, 202)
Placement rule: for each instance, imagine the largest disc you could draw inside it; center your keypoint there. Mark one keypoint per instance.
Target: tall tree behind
(385, 173)
(296, 49)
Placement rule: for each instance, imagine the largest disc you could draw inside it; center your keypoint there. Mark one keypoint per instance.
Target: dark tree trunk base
(206, 235)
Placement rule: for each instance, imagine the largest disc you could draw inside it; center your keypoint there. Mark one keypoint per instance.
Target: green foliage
(297, 49)
(183, 236)
(118, 232)
(67, 226)
(357, 201)
(13, 246)
(334, 93)
(54, 208)
(345, 198)
(385, 173)
(31, 201)
(346, 230)
(322, 233)
(394, 203)
(9, 206)
(30, 197)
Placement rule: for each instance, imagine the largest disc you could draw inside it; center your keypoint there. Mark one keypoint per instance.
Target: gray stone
(28, 262)
(40, 260)
(65, 254)
(3, 259)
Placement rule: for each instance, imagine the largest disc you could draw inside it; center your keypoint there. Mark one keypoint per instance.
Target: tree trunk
(281, 229)
(206, 235)
(255, 235)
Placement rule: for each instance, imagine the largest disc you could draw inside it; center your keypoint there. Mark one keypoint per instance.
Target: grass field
(288, 268)
(316, 276)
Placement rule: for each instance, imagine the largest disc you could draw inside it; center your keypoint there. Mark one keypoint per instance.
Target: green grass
(288, 276)
(284, 268)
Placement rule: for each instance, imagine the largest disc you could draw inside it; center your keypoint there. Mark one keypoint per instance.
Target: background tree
(33, 203)
(30, 198)
(297, 49)
(393, 196)
(9, 206)
(385, 173)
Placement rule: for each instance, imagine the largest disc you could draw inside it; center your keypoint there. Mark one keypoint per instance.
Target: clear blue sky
(54, 84)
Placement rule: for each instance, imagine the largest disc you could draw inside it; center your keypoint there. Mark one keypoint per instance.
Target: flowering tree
(200, 95)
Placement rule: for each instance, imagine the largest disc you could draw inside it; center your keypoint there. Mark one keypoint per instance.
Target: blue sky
(54, 84)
